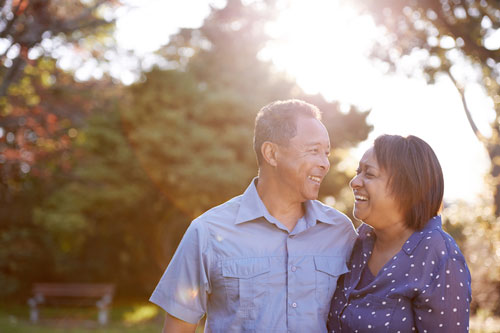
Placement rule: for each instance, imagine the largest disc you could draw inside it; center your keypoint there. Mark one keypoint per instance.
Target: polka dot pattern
(425, 287)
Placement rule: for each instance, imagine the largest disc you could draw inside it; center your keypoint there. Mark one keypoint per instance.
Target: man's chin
(313, 196)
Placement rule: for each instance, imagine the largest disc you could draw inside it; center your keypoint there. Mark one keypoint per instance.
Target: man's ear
(269, 151)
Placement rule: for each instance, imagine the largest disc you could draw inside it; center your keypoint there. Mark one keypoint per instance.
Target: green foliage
(107, 214)
(192, 127)
(158, 153)
(195, 146)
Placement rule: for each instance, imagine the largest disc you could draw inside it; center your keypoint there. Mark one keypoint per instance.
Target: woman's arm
(445, 303)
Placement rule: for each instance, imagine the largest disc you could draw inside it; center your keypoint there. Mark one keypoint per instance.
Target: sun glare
(324, 46)
(320, 43)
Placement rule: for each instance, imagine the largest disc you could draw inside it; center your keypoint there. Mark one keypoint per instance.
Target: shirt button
(294, 268)
(294, 305)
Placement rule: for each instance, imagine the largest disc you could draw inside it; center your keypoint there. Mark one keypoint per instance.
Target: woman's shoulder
(434, 241)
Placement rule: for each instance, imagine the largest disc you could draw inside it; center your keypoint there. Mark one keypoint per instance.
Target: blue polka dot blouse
(425, 287)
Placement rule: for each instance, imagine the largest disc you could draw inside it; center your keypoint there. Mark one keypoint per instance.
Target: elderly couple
(275, 259)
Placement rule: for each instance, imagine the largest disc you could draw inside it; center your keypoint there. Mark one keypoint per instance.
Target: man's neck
(278, 204)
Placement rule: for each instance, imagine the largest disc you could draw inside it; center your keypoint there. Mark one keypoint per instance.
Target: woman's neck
(392, 237)
(388, 243)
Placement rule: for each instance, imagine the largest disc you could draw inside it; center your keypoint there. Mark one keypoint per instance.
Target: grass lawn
(125, 317)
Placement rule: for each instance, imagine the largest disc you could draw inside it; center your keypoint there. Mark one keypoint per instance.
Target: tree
(26, 23)
(107, 221)
(41, 109)
(177, 143)
(448, 32)
(192, 126)
(39, 102)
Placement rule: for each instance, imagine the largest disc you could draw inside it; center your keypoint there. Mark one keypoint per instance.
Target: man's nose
(325, 163)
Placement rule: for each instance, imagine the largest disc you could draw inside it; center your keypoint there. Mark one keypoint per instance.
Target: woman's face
(374, 203)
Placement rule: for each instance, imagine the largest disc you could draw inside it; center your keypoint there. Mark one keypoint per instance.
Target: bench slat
(73, 289)
(72, 293)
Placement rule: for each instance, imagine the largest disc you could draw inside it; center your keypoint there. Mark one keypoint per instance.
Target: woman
(406, 273)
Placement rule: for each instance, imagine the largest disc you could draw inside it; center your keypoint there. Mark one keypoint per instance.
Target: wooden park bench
(77, 294)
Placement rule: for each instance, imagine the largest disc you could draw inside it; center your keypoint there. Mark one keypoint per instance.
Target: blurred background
(122, 120)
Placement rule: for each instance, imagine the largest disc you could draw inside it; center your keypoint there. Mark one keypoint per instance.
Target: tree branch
(10, 24)
(472, 124)
(11, 75)
(77, 22)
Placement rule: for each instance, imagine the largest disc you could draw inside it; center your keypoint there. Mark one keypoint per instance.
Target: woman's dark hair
(415, 176)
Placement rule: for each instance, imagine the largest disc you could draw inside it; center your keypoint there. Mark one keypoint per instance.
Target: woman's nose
(355, 182)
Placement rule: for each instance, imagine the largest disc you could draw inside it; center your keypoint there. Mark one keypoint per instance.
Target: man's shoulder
(223, 213)
(330, 213)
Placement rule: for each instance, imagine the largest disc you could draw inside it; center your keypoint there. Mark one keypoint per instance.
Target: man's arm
(174, 325)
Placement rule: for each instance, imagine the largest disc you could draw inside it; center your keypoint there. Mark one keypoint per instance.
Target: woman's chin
(357, 215)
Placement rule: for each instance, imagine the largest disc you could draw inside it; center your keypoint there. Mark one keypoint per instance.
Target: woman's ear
(269, 151)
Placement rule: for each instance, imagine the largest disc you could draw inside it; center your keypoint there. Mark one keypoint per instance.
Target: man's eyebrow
(316, 143)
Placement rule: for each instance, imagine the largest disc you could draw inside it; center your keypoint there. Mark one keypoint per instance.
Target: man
(269, 259)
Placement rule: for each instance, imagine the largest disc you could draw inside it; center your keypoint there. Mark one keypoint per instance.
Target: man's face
(303, 163)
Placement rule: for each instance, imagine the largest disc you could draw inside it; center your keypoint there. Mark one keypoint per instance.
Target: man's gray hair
(277, 122)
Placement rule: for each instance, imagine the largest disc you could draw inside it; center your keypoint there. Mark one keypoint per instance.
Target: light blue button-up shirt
(242, 268)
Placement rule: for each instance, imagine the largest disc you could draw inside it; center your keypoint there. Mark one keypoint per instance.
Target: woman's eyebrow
(368, 165)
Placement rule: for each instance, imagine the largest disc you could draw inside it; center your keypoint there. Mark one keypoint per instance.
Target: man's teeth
(360, 198)
(315, 179)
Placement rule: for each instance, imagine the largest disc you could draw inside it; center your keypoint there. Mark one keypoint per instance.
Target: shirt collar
(366, 233)
(417, 236)
(317, 211)
(252, 208)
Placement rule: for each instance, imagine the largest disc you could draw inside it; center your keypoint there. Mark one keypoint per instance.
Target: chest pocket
(246, 283)
(328, 270)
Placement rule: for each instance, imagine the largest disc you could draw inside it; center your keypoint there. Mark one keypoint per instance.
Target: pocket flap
(332, 265)
(245, 268)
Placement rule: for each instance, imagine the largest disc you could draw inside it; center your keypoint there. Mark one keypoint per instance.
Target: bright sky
(326, 53)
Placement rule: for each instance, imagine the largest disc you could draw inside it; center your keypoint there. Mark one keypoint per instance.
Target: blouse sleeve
(443, 306)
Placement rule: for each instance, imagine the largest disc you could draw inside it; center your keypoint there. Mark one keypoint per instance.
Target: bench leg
(34, 315)
(103, 316)
(33, 310)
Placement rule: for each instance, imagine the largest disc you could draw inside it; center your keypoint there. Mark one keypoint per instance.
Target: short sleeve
(444, 306)
(183, 288)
